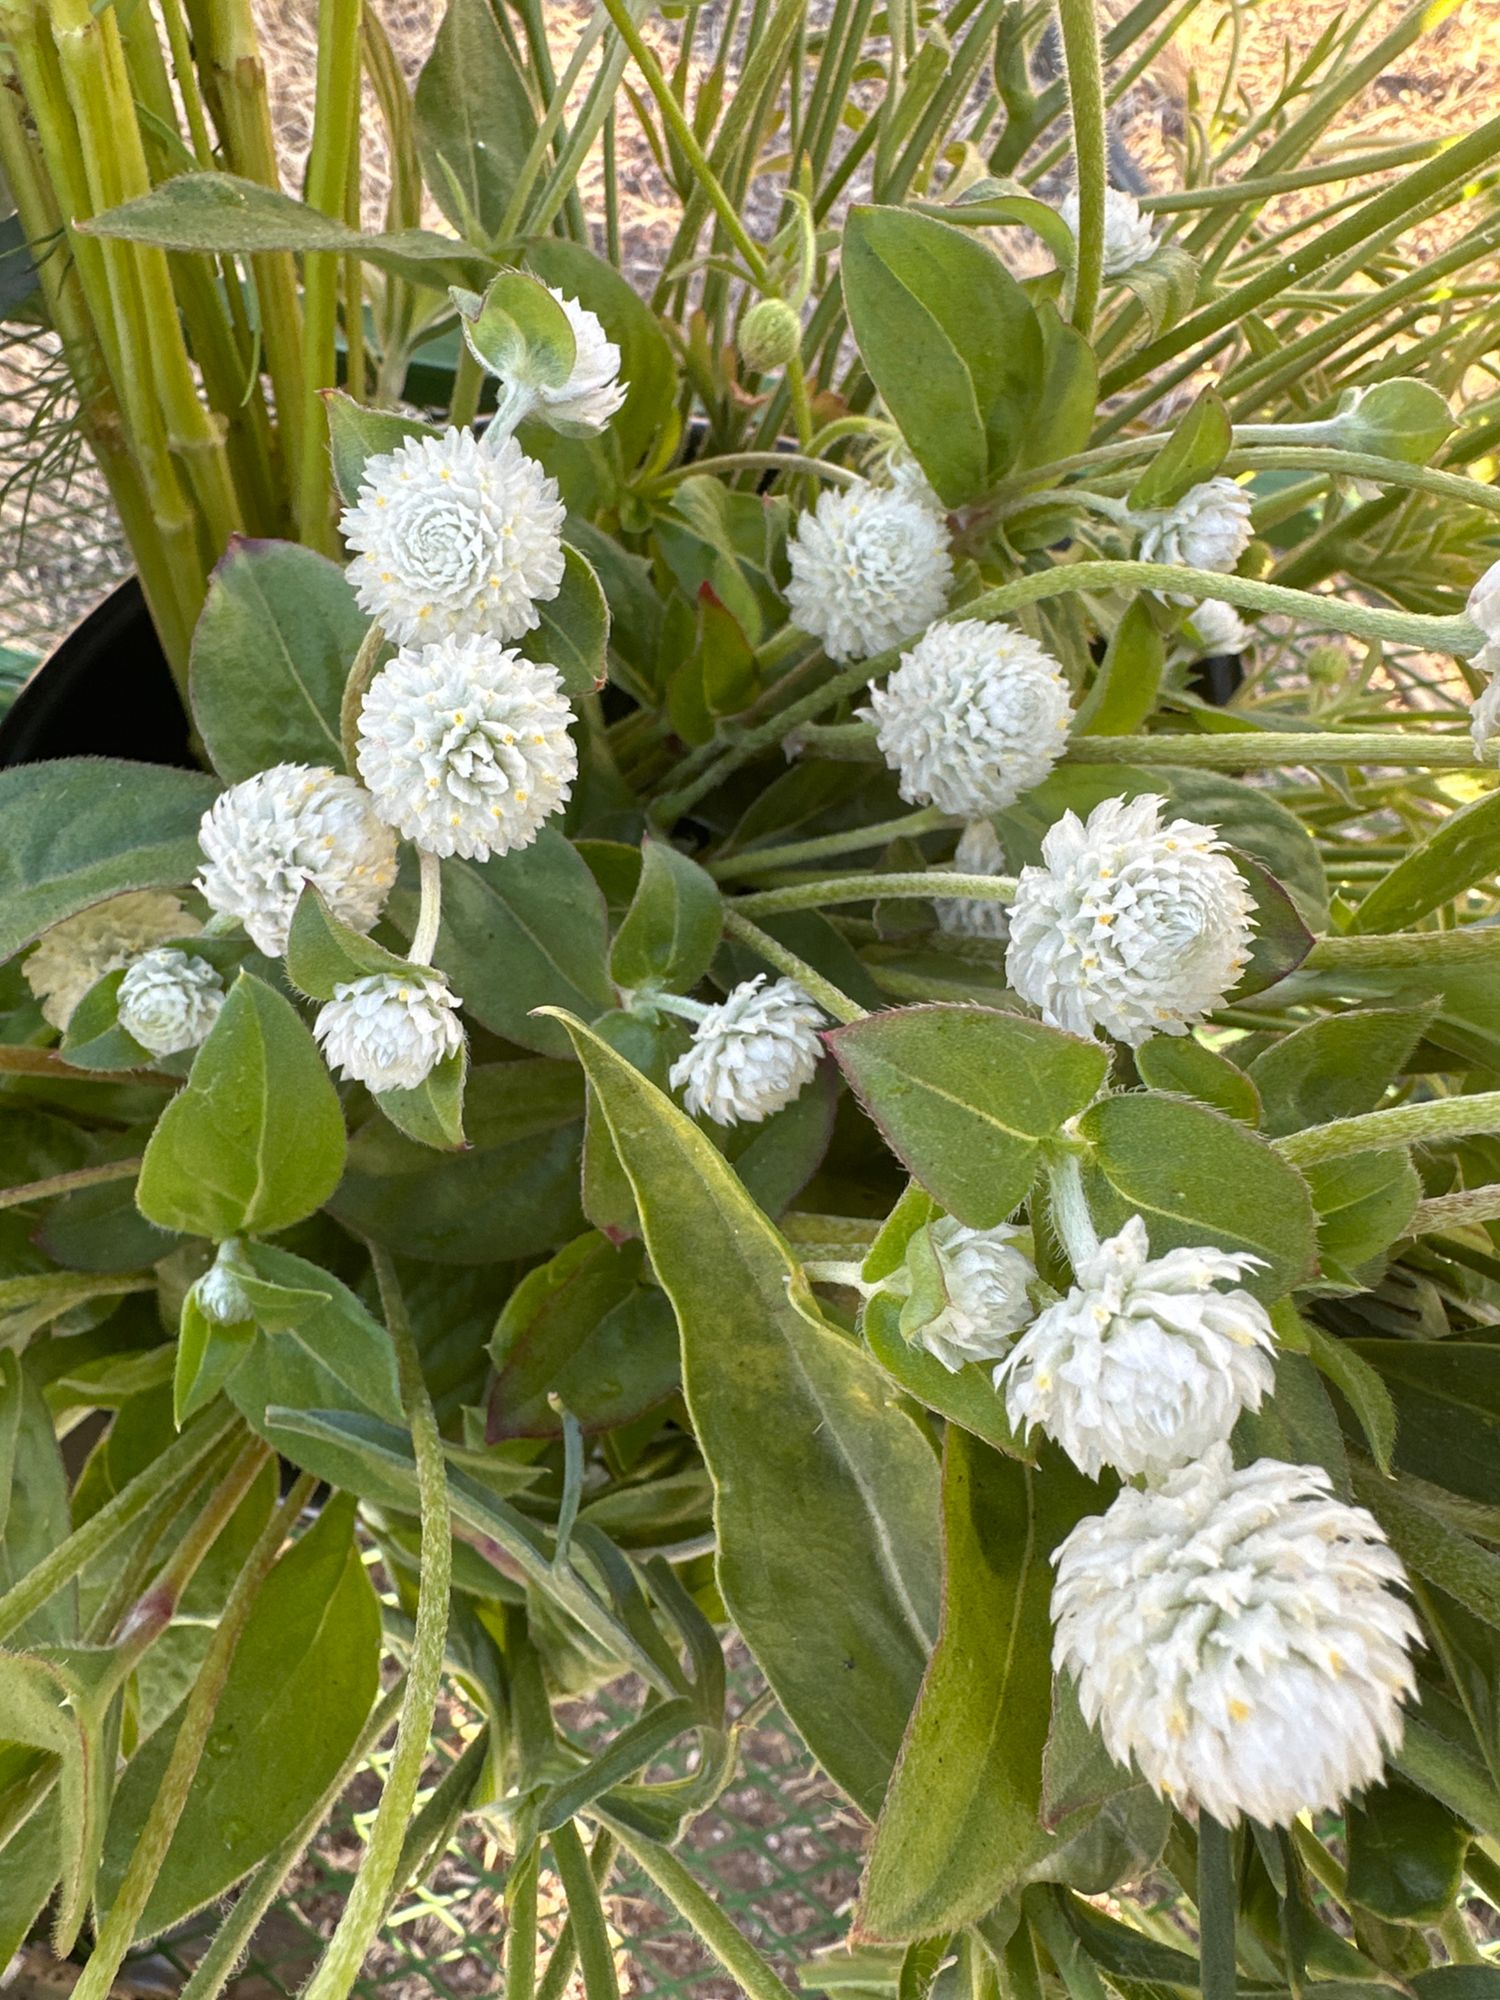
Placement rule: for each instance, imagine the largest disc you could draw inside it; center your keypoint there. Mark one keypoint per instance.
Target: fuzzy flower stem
(1217, 1903)
(751, 461)
(356, 687)
(1070, 1210)
(1085, 73)
(834, 1271)
(430, 910)
(814, 985)
(869, 888)
(1438, 948)
(365, 1910)
(80, 1177)
(1456, 1211)
(828, 846)
(1398, 1125)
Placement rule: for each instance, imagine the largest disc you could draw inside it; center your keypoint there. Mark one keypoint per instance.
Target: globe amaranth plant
(725, 1039)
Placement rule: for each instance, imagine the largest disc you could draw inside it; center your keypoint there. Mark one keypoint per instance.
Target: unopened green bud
(1326, 666)
(770, 334)
(1404, 419)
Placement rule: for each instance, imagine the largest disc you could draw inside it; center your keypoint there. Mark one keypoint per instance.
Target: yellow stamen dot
(1239, 1711)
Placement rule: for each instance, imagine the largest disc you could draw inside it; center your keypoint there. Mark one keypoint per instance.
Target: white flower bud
(454, 538)
(389, 1032)
(169, 1000)
(751, 1054)
(1130, 926)
(75, 954)
(1483, 606)
(987, 1279)
(1215, 629)
(975, 715)
(769, 335)
(978, 853)
(1144, 1365)
(265, 839)
(870, 568)
(220, 1294)
(1208, 528)
(465, 747)
(1129, 238)
(1238, 1634)
(593, 392)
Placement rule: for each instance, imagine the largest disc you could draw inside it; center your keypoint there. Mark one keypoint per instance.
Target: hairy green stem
(828, 996)
(356, 687)
(873, 888)
(335, 137)
(1439, 1119)
(1456, 1211)
(826, 846)
(1085, 78)
(80, 1177)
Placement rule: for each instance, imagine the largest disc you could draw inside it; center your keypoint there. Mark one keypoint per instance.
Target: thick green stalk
(596, 1960)
(69, 1183)
(1440, 1119)
(365, 1910)
(827, 846)
(823, 991)
(1456, 1211)
(1270, 749)
(1085, 75)
(873, 888)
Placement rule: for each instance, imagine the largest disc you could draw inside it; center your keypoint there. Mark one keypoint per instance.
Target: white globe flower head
(593, 392)
(465, 747)
(905, 476)
(1484, 710)
(870, 568)
(751, 1054)
(1239, 1634)
(1483, 606)
(1208, 528)
(389, 1032)
(1129, 925)
(1215, 629)
(1145, 1364)
(987, 1276)
(978, 853)
(975, 715)
(454, 538)
(267, 838)
(169, 1000)
(75, 954)
(1129, 238)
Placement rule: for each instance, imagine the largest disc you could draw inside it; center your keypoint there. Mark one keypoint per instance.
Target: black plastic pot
(106, 692)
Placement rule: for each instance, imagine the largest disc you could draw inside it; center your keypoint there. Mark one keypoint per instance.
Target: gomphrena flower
(904, 475)
(75, 954)
(978, 853)
(465, 747)
(1129, 238)
(1484, 711)
(1483, 606)
(1145, 1364)
(454, 538)
(1208, 528)
(975, 715)
(1238, 1633)
(751, 1054)
(593, 392)
(169, 1000)
(1215, 629)
(220, 1293)
(987, 1278)
(389, 1031)
(870, 568)
(267, 838)
(1129, 925)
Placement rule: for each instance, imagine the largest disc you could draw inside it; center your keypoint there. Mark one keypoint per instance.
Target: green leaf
(1183, 1066)
(783, 1407)
(968, 1398)
(1198, 1178)
(1258, 825)
(1337, 1067)
(255, 1141)
(94, 1039)
(323, 952)
(1354, 1378)
(1406, 1853)
(302, 1682)
(1280, 940)
(950, 340)
(1166, 285)
(518, 330)
(81, 829)
(29, 1866)
(271, 652)
(207, 1355)
(1125, 687)
(433, 1112)
(1061, 420)
(1447, 1396)
(573, 629)
(357, 435)
(521, 931)
(966, 1096)
(673, 926)
(221, 213)
(960, 1825)
(475, 120)
(729, 541)
(1198, 446)
(585, 1327)
(1297, 1423)
(1402, 419)
(1459, 854)
(1364, 1204)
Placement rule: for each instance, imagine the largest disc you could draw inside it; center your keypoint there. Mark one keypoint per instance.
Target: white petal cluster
(169, 1000)
(1484, 714)
(870, 568)
(975, 715)
(454, 538)
(978, 853)
(1238, 1633)
(1216, 628)
(465, 747)
(1483, 605)
(1129, 238)
(751, 1054)
(1484, 608)
(905, 476)
(1208, 528)
(986, 1276)
(220, 1294)
(1129, 925)
(389, 1032)
(267, 838)
(1145, 1364)
(593, 392)
(75, 954)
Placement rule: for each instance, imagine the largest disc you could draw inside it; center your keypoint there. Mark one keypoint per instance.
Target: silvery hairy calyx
(811, 1019)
